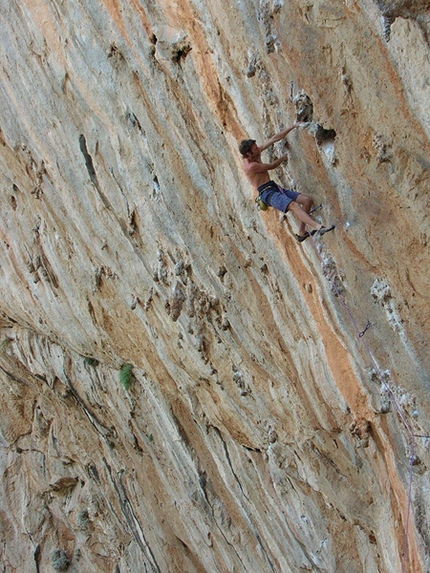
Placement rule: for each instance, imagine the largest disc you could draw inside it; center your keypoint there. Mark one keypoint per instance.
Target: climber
(272, 194)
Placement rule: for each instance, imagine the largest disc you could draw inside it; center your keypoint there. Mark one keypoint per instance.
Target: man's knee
(293, 206)
(306, 201)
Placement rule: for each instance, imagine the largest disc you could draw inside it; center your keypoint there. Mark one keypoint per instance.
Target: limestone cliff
(184, 387)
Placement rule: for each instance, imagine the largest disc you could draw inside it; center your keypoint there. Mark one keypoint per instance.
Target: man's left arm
(278, 137)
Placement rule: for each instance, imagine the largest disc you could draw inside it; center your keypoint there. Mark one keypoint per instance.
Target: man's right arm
(277, 162)
(263, 167)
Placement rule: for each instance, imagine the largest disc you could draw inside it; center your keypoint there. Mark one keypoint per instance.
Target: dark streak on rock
(131, 519)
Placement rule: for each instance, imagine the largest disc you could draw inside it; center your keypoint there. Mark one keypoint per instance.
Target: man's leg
(305, 201)
(306, 204)
(302, 213)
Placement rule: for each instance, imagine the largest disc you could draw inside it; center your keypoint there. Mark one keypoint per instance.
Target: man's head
(245, 146)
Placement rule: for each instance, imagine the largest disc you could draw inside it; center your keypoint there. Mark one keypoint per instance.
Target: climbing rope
(389, 392)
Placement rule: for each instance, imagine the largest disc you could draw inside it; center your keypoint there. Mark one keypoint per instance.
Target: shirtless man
(273, 195)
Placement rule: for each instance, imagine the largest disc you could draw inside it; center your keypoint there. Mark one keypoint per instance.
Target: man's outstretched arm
(263, 167)
(278, 137)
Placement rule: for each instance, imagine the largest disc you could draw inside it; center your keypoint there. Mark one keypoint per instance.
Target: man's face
(254, 153)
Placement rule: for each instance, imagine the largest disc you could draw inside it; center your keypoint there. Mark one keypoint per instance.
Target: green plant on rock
(91, 361)
(126, 375)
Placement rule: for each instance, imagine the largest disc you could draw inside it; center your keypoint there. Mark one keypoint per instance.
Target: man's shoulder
(249, 165)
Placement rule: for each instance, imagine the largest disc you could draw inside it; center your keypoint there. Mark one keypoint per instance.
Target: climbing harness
(390, 394)
(263, 205)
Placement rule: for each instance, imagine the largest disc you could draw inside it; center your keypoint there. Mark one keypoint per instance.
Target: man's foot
(323, 230)
(301, 238)
(315, 209)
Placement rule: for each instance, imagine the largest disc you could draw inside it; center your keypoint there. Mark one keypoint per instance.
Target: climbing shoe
(317, 208)
(323, 230)
(301, 238)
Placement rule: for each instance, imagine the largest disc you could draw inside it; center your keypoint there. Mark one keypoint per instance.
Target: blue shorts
(275, 196)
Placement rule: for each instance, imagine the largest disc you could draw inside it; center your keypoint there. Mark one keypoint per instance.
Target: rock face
(184, 387)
